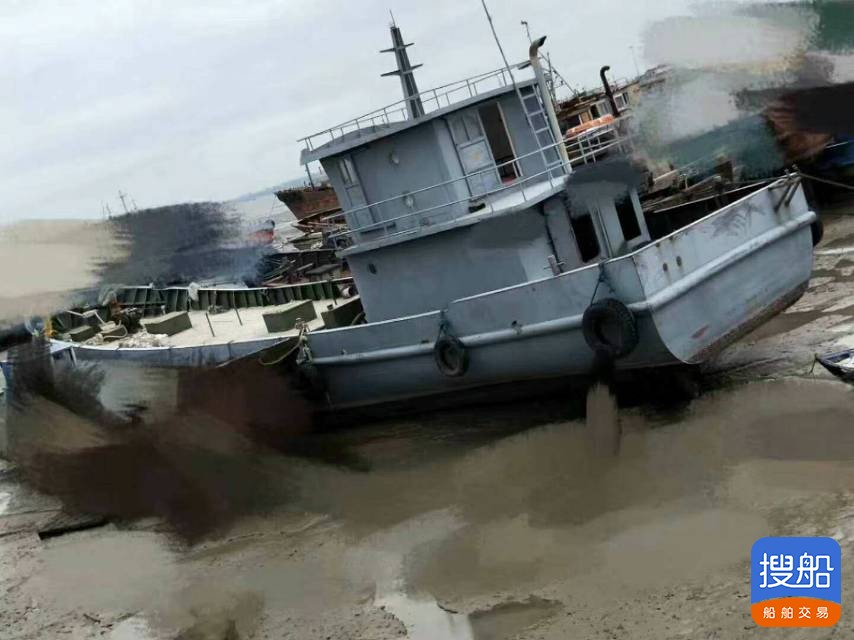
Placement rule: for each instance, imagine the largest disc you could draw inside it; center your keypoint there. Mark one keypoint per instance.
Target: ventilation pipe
(533, 55)
(608, 91)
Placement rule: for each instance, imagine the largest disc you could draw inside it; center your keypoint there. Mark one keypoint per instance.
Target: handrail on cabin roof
(383, 113)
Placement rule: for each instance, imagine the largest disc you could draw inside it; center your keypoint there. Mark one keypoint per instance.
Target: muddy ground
(494, 523)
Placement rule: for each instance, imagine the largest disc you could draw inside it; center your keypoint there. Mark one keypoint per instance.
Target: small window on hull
(585, 236)
(627, 217)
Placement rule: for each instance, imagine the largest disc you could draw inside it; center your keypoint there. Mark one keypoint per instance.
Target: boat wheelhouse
(465, 198)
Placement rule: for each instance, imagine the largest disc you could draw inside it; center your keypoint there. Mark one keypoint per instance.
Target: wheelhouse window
(348, 171)
(499, 141)
(627, 217)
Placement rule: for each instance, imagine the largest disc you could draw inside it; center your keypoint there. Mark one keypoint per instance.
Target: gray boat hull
(692, 293)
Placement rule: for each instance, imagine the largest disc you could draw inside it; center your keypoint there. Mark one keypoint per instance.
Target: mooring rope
(300, 337)
(834, 183)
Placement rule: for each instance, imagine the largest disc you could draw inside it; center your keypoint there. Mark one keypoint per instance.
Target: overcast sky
(178, 100)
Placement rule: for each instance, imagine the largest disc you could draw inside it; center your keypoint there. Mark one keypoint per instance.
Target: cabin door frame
(474, 152)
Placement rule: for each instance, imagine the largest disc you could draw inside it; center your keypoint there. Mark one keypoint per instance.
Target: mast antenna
(405, 71)
(122, 197)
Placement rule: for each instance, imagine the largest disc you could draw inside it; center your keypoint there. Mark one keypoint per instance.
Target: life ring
(452, 357)
(609, 328)
(817, 230)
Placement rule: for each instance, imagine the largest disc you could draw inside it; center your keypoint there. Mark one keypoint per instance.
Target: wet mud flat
(514, 521)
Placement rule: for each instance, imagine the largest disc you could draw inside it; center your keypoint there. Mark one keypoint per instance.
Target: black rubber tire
(451, 355)
(310, 380)
(817, 229)
(618, 315)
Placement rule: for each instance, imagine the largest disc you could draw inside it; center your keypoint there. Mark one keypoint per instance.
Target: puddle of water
(425, 620)
(133, 628)
(507, 619)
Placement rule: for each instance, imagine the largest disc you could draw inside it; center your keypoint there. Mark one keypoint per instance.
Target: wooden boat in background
(310, 202)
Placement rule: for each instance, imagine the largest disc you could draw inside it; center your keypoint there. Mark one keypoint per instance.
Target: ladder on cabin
(538, 119)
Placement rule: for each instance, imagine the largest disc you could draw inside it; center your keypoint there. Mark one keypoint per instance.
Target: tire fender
(609, 328)
(451, 355)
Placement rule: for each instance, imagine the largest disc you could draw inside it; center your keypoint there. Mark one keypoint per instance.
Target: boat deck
(241, 325)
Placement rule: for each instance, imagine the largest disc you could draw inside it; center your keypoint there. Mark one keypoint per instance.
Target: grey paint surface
(428, 273)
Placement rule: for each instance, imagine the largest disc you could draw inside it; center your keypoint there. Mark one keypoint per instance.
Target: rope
(814, 361)
(599, 281)
(111, 338)
(443, 325)
(300, 336)
(833, 183)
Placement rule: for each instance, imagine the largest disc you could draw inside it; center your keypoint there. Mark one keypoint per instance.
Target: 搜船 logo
(796, 582)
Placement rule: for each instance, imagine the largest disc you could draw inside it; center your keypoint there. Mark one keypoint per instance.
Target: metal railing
(587, 146)
(587, 153)
(431, 100)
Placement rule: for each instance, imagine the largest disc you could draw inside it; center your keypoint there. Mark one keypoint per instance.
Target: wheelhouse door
(474, 152)
(355, 194)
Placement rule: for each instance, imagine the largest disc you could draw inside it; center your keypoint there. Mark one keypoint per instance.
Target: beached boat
(482, 257)
(839, 363)
(310, 202)
(197, 327)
